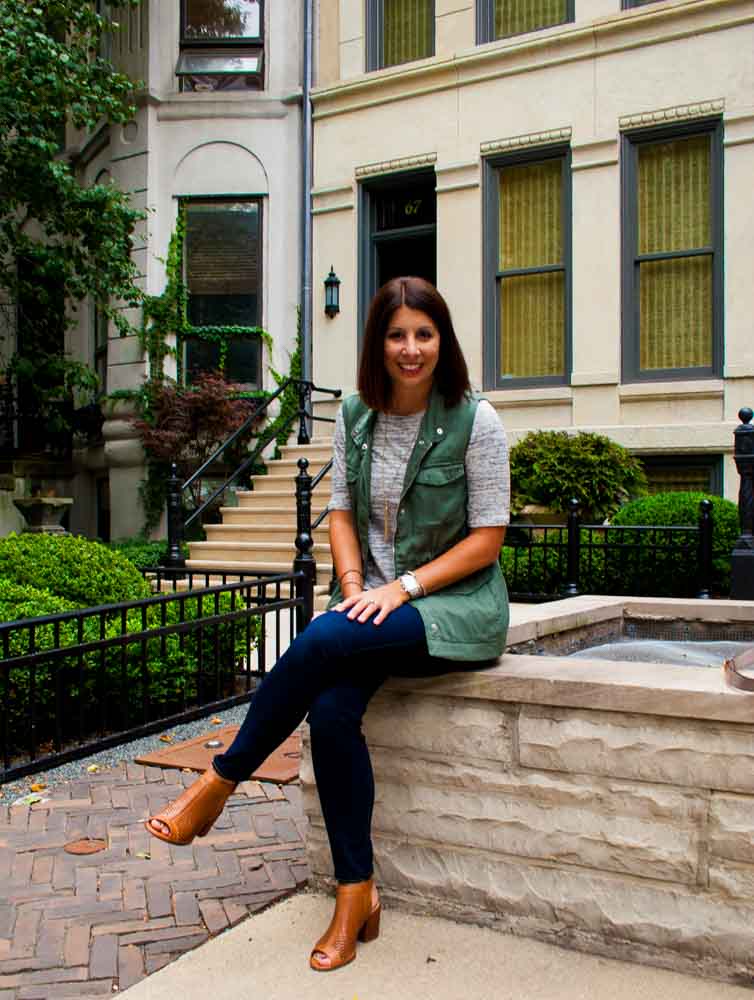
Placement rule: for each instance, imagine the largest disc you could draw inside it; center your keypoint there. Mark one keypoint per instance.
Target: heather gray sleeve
(340, 498)
(487, 471)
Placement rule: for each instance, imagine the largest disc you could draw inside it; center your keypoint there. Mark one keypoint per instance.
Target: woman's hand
(381, 600)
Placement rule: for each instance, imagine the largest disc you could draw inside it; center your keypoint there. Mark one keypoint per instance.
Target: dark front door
(399, 232)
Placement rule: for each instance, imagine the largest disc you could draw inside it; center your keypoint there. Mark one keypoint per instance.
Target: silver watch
(411, 586)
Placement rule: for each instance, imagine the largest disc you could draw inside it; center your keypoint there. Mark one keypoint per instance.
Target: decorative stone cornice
(391, 166)
(683, 112)
(531, 139)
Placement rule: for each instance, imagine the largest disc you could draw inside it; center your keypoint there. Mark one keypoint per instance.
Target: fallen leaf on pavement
(166, 738)
(216, 721)
(144, 855)
(92, 768)
(38, 786)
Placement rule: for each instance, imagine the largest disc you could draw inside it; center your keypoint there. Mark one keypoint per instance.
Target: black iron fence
(84, 680)
(543, 562)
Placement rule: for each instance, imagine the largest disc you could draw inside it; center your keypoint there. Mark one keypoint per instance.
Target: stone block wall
(630, 834)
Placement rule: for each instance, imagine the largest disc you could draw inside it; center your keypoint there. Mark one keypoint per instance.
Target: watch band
(411, 586)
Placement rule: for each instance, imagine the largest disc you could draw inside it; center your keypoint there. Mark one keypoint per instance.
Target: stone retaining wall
(627, 833)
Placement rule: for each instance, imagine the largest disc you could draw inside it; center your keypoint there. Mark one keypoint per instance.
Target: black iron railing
(84, 680)
(176, 522)
(543, 562)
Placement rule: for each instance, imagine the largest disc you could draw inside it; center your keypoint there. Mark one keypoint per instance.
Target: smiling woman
(417, 517)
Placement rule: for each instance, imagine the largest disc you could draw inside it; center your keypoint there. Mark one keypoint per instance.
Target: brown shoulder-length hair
(451, 373)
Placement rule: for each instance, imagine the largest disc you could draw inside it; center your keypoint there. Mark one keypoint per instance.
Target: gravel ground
(108, 758)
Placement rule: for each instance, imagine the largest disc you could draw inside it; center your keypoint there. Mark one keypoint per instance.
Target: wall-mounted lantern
(332, 294)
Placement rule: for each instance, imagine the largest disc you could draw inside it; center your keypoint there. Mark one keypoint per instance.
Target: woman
(417, 517)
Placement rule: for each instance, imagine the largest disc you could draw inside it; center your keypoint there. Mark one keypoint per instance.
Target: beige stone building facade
(578, 179)
(217, 133)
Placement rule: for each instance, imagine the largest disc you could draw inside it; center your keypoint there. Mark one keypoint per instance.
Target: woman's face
(412, 349)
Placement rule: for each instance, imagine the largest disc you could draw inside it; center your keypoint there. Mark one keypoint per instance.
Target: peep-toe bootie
(193, 813)
(357, 916)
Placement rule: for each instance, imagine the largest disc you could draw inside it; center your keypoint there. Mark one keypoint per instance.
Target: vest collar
(432, 428)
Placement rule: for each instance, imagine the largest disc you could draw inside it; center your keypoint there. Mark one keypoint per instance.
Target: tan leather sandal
(355, 917)
(193, 813)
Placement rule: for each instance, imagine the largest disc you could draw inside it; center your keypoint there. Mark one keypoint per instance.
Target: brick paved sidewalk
(74, 926)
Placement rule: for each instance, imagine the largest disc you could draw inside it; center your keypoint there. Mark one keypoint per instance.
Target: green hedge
(144, 553)
(678, 509)
(628, 565)
(107, 685)
(83, 572)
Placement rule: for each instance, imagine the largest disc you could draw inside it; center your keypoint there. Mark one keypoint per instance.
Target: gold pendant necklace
(386, 527)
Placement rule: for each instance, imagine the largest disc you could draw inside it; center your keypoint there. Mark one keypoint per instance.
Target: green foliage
(643, 564)
(144, 553)
(55, 233)
(679, 508)
(115, 686)
(551, 467)
(82, 572)
(281, 426)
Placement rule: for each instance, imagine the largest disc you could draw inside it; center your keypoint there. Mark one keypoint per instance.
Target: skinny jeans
(330, 671)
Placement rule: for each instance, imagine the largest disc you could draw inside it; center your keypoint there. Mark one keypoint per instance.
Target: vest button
(422, 441)
(439, 430)
(434, 626)
(363, 447)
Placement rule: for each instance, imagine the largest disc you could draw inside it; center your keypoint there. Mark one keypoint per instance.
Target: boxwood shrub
(628, 565)
(144, 553)
(81, 571)
(119, 685)
(551, 467)
(681, 508)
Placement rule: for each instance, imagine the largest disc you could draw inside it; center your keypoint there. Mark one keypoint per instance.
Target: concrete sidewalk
(415, 958)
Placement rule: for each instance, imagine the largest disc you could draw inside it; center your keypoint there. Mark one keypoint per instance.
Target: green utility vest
(469, 619)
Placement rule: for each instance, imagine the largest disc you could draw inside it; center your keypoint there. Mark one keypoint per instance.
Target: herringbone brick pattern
(74, 926)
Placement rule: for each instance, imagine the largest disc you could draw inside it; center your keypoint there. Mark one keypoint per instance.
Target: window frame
(247, 42)
(631, 141)
(485, 22)
(491, 238)
(375, 36)
(252, 45)
(632, 4)
(192, 332)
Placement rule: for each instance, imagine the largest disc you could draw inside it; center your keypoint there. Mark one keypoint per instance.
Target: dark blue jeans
(331, 670)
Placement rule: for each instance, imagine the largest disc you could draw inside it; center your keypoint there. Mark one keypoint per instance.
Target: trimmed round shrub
(681, 508)
(551, 467)
(81, 571)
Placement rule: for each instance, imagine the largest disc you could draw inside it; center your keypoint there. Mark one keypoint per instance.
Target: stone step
(314, 452)
(324, 570)
(259, 531)
(274, 483)
(281, 499)
(289, 467)
(261, 514)
(223, 550)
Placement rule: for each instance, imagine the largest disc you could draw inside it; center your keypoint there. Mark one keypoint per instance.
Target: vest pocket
(439, 494)
(439, 475)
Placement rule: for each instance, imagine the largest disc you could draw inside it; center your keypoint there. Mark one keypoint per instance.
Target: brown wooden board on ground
(280, 767)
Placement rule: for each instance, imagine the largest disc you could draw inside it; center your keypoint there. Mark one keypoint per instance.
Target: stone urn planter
(44, 514)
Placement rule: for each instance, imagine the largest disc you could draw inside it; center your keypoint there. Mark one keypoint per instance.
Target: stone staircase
(258, 534)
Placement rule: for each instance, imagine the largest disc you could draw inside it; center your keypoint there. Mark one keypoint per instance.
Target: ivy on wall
(164, 329)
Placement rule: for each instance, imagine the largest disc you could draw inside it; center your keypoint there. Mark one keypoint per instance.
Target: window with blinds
(222, 268)
(672, 271)
(400, 31)
(532, 269)
(504, 18)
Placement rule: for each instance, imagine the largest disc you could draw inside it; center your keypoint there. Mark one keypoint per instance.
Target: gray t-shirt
(487, 479)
